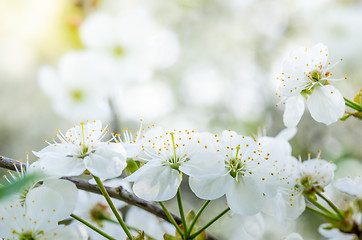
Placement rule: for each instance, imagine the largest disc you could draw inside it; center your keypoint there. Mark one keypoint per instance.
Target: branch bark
(117, 193)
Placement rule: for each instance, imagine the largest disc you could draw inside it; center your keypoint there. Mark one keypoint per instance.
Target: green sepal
(140, 236)
(345, 117)
(170, 237)
(358, 98)
(310, 195)
(189, 219)
(132, 166)
(357, 115)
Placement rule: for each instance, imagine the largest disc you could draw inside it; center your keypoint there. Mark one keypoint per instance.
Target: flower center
(77, 95)
(174, 162)
(118, 51)
(28, 235)
(234, 166)
(308, 186)
(99, 212)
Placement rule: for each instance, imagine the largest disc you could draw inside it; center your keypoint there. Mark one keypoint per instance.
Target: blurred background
(207, 65)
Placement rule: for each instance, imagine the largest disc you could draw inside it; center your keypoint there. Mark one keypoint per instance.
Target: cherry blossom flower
(34, 212)
(306, 74)
(39, 219)
(166, 155)
(301, 178)
(80, 149)
(239, 167)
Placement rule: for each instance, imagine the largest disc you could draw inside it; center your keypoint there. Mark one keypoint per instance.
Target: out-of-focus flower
(39, 220)
(150, 101)
(81, 86)
(149, 223)
(65, 189)
(166, 155)
(203, 86)
(350, 186)
(137, 43)
(327, 231)
(80, 149)
(36, 211)
(94, 209)
(306, 74)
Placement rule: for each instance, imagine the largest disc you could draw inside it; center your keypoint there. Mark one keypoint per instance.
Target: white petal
(294, 109)
(210, 189)
(244, 197)
(287, 133)
(68, 191)
(44, 205)
(56, 163)
(326, 104)
(142, 170)
(204, 165)
(334, 233)
(62, 232)
(294, 236)
(158, 183)
(108, 161)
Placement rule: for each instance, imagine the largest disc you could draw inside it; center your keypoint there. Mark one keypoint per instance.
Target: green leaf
(10, 189)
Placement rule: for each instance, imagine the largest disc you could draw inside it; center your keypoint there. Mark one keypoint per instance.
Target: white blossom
(82, 148)
(239, 167)
(306, 74)
(166, 155)
(309, 176)
(35, 211)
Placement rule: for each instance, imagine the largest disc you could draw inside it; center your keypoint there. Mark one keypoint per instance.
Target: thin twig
(117, 193)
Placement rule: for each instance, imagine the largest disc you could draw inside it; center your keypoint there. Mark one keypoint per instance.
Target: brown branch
(117, 193)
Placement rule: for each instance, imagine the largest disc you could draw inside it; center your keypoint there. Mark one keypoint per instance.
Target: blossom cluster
(255, 174)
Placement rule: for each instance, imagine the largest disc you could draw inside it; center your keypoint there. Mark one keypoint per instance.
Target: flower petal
(294, 109)
(204, 165)
(157, 183)
(44, 205)
(67, 190)
(210, 189)
(54, 162)
(326, 104)
(108, 161)
(244, 197)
